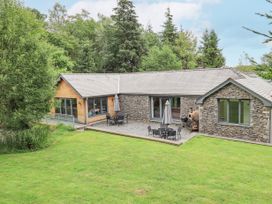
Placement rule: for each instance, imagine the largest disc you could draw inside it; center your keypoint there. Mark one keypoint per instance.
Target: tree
(268, 35)
(185, 49)
(57, 17)
(169, 34)
(75, 35)
(126, 47)
(81, 28)
(151, 38)
(159, 59)
(38, 14)
(210, 54)
(102, 44)
(60, 61)
(26, 79)
(264, 69)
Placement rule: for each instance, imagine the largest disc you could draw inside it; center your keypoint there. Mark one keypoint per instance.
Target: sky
(226, 17)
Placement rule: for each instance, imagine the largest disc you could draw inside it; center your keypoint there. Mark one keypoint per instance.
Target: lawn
(91, 167)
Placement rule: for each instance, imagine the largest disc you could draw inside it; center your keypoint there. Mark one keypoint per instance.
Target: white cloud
(149, 12)
(94, 7)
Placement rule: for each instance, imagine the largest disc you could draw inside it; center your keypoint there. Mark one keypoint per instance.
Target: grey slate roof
(193, 82)
(257, 85)
(185, 82)
(90, 85)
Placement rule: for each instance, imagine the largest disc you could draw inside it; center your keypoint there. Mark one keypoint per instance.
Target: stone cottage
(231, 104)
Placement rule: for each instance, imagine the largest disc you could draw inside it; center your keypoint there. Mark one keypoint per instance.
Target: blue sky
(225, 16)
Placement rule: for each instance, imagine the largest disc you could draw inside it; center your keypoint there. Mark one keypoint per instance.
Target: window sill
(233, 124)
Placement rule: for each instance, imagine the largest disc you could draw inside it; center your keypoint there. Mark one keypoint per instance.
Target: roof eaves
(265, 101)
(63, 78)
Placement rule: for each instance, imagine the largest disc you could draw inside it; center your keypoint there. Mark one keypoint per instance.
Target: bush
(29, 139)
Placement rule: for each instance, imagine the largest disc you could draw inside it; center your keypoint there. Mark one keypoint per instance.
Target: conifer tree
(169, 34)
(126, 46)
(210, 54)
(268, 16)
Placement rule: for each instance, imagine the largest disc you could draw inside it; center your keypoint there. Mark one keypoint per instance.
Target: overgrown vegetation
(26, 76)
(24, 140)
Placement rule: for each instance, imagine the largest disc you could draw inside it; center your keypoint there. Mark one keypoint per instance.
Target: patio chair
(163, 132)
(126, 117)
(110, 120)
(120, 119)
(149, 130)
(172, 135)
(179, 133)
(156, 133)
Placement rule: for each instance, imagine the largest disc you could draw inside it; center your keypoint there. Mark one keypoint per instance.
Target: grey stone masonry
(187, 102)
(136, 106)
(258, 130)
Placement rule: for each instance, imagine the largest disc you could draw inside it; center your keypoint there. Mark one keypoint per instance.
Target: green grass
(91, 167)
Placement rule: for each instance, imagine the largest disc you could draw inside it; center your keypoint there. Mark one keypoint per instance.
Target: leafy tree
(210, 54)
(26, 79)
(264, 69)
(38, 14)
(268, 35)
(169, 34)
(60, 61)
(103, 37)
(86, 61)
(151, 38)
(185, 49)
(126, 47)
(57, 17)
(75, 36)
(81, 28)
(159, 59)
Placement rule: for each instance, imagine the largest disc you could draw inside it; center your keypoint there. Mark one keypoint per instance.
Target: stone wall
(137, 107)
(187, 102)
(258, 130)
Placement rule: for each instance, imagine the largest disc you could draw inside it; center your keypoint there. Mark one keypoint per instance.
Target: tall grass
(24, 140)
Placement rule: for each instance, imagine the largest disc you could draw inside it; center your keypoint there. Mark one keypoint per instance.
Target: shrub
(29, 139)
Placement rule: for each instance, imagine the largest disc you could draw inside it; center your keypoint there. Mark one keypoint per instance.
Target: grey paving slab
(139, 129)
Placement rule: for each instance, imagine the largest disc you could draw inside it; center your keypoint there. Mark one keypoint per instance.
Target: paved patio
(138, 129)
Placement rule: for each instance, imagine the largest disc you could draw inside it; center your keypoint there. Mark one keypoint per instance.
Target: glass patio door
(157, 106)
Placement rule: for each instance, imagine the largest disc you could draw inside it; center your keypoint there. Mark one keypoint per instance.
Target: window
(234, 111)
(66, 106)
(158, 105)
(245, 107)
(223, 111)
(175, 105)
(97, 106)
(156, 108)
(104, 106)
